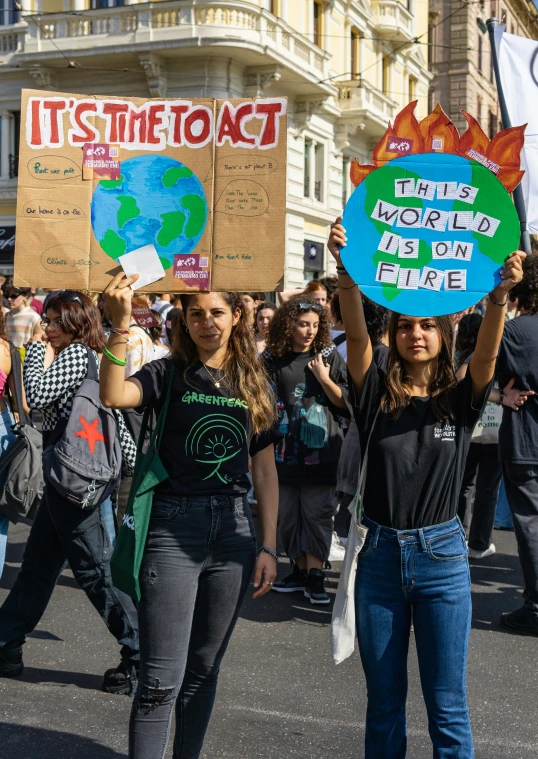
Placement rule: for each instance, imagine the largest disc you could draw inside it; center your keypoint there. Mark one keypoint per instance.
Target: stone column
(5, 145)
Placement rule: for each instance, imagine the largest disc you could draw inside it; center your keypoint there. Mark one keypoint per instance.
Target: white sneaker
(473, 554)
(337, 551)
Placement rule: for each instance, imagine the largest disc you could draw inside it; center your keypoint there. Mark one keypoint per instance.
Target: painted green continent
(171, 228)
(128, 210)
(112, 244)
(173, 175)
(196, 205)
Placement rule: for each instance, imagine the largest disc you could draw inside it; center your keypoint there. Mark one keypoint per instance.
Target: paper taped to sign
(181, 177)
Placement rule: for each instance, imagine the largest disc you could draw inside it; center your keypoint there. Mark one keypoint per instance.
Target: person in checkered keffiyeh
(55, 367)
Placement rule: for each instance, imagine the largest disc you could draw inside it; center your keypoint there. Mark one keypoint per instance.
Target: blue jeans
(6, 438)
(421, 573)
(198, 561)
(503, 516)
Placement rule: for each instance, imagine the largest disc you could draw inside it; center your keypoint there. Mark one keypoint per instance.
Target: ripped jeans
(198, 562)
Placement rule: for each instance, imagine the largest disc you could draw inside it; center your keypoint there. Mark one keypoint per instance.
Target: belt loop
(422, 539)
(376, 536)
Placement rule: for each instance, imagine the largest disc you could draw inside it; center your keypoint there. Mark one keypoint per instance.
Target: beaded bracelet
(270, 551)
(113, 358)
(118, 331)
(496, 302)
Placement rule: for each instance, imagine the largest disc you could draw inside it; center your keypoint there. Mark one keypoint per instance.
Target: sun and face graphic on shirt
(213, 440)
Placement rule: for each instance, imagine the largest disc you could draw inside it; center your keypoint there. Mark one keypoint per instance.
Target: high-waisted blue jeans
(198, 562)
(423, 574)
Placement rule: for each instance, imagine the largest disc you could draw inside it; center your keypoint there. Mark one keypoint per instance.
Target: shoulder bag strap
(16, 371)
(156, 435)
(361, 484)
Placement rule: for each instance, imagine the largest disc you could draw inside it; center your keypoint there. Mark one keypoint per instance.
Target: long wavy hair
(397, 396)
(282, 327)
(246, 376)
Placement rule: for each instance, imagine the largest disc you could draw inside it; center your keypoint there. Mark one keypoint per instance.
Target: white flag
(518, 64)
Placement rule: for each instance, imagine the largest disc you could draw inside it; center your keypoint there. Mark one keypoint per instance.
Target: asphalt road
(279, 695)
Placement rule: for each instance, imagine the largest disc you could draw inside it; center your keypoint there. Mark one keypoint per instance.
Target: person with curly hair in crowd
(518, 441)
(309, 378)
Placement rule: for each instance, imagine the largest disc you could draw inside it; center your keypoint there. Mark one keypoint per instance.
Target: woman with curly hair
(309, 378)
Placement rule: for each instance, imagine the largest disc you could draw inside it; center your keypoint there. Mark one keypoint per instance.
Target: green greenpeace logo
(214, 439)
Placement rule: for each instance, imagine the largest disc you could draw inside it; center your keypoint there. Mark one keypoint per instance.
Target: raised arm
(114, 390)
(359, 347)
(482, 364)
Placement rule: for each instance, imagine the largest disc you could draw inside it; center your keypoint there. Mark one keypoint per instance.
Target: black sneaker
(11, 664)
(315, 587)
(293, 582)
(519, 622)
(121, 680)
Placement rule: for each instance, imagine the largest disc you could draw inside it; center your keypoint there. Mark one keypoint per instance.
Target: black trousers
(63, 532)
(521, 483)
(479, 494)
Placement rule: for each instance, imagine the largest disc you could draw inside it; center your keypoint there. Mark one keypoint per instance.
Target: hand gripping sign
(431, 223)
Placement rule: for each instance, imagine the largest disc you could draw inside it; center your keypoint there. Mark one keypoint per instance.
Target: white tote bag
(343, 627)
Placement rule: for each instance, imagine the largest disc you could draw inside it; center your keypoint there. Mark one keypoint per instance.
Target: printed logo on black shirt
(447, 432)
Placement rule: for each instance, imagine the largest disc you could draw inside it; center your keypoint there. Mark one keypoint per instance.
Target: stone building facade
(460, 57)
(346, 66)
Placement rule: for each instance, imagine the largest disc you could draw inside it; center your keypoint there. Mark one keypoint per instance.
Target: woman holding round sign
(215, 413)
(413, 565)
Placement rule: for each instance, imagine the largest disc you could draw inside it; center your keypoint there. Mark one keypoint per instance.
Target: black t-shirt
(310, 424)
(518, 358)
(415, 463)
(207, 435)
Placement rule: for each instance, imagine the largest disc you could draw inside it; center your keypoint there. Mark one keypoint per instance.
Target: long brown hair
(245, 375)
(279, 339)
(396, 396)
(80, 318)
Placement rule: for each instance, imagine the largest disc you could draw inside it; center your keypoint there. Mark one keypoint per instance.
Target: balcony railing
(392, 19)
(12, 39)
(216, 21)
(361, 100)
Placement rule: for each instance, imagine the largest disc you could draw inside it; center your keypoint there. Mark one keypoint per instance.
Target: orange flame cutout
(437, 134)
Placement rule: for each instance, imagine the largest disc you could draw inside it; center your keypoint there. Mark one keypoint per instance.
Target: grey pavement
(280, 694)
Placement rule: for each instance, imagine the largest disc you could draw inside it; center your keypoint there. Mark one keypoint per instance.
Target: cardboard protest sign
(202, 181)
(431, 223)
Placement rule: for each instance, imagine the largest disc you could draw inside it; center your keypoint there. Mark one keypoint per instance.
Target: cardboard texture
(200, 177)
(431, 222)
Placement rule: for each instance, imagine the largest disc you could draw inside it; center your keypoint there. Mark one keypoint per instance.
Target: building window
(8, 13)
(479, 109)
(412, 86)
(318, 21)
(492, 127)
(307, 151)
(355, 53)
(480, 51)
(385, 73)
(95, 4)
(432, 38)
(313, 259)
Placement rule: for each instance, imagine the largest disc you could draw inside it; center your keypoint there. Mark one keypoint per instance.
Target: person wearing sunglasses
(309, 379)
(56, 365)
(22, 322)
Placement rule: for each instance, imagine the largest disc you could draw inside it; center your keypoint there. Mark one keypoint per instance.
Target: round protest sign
(427, 234)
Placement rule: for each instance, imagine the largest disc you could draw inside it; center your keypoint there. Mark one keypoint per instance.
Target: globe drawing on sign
(157, 200)
(394, 253)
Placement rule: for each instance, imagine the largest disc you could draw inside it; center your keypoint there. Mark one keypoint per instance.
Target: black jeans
(63, 532)
(199, 558)
(521, 483)
(479, 493)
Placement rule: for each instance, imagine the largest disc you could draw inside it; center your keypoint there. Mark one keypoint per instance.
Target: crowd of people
(267, 409)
